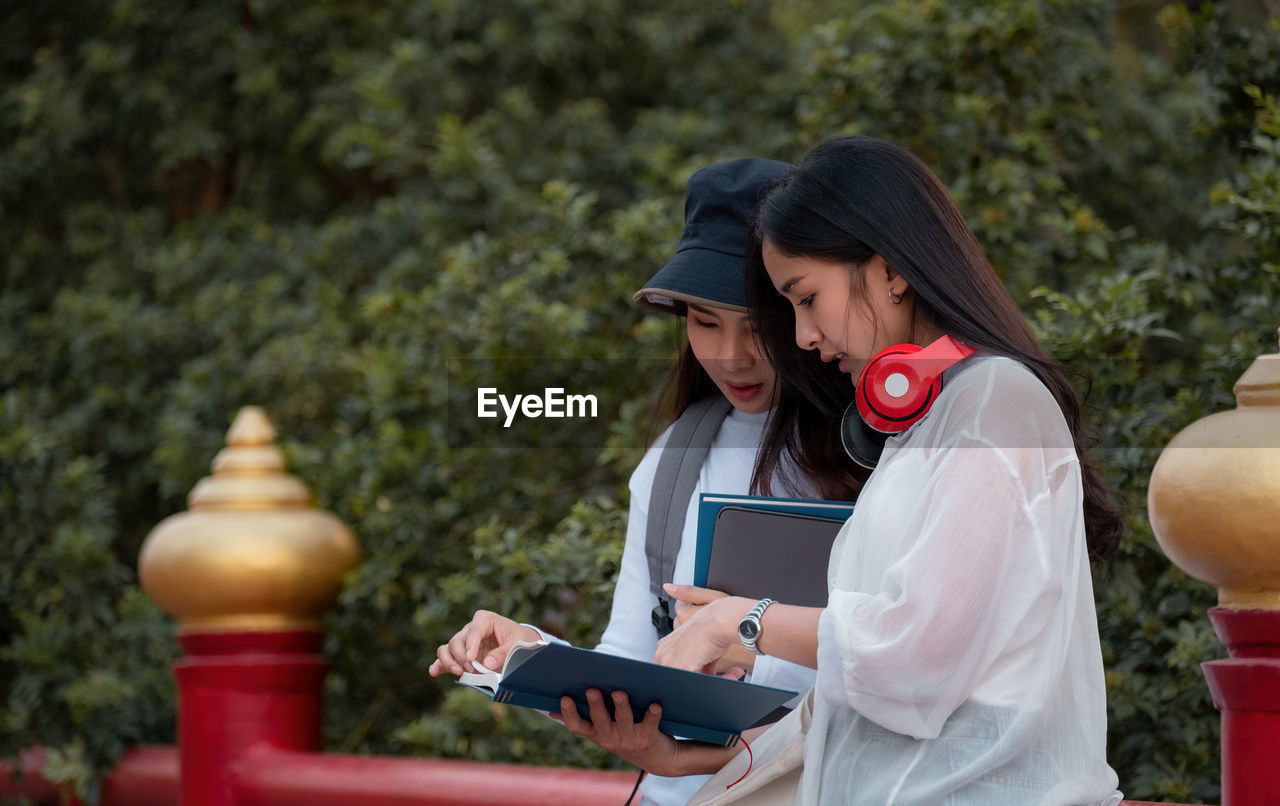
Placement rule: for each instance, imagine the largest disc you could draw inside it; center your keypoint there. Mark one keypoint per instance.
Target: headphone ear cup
(863, 443)
(891, 392)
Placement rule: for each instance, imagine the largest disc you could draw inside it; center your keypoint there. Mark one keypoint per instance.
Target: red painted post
(248, 570)
(1246, 689)
(237, 691)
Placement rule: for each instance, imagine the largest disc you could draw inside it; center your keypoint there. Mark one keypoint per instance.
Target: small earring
(896, 300)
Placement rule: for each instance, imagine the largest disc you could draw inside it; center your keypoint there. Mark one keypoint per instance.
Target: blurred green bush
(356, 216)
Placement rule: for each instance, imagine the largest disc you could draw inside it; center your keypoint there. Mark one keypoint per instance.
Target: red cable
(750, 760)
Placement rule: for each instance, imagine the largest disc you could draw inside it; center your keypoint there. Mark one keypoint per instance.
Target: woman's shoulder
(994, 376)
(1001, 402)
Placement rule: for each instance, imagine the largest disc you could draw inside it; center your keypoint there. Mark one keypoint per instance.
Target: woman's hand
(706, 635)
(642, 743)
(690, 600)
(737, 659)
(488, 636)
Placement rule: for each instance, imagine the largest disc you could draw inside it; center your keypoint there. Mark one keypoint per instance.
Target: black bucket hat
(709, 266)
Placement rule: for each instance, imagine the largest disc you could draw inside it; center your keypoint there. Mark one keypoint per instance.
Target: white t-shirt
(958, 656)
(630, 632)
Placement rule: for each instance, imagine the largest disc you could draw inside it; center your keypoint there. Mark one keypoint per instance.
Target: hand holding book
(616, 730)
(695, 706)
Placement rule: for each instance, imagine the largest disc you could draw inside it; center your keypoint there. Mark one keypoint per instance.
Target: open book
(697, 706)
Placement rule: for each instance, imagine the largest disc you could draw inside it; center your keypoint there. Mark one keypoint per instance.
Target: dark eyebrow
(788, 285)
(701, 310)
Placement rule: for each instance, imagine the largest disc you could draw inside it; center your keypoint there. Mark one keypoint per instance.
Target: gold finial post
(1214, 498)
(252, 552)
(251, 427)
(1214, 503)
(248, 570)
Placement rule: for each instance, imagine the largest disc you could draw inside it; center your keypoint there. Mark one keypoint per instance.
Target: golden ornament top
(252, 552)
(1214, 497)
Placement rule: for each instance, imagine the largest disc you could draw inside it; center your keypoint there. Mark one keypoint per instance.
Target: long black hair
(852, 198)
(804, 431)
(800, 451)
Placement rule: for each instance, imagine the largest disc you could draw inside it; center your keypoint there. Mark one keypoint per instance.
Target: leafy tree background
(355, 215)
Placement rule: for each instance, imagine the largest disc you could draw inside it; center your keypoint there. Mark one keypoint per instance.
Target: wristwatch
(749, 627)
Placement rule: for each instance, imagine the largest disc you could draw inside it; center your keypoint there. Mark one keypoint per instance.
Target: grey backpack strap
(686, 449)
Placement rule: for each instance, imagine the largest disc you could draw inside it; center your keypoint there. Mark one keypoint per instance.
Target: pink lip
(840, 358)
(744, 392)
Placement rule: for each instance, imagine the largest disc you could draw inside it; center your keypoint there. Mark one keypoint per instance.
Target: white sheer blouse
(958, 656)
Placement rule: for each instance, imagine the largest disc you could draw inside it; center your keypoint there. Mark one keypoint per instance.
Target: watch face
(748, 630)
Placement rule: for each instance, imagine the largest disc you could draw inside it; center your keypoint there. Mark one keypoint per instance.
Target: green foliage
(357, 217)
(1226, 54)
(1052, 137)
(1253, 197)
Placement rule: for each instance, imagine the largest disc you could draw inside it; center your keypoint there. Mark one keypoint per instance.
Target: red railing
(149, 776)
(249, 732)
(146, 776)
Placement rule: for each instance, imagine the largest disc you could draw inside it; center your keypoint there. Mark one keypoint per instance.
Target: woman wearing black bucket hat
(756, 437)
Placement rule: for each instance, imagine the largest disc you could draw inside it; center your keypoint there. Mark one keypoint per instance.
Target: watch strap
(753, 617)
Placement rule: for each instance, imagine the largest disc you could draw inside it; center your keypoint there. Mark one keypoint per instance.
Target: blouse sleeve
(975, 576)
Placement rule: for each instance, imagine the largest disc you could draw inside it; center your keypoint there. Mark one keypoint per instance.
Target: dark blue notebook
(697, 706)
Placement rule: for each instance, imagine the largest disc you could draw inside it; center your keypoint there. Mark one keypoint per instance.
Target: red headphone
(894, 391)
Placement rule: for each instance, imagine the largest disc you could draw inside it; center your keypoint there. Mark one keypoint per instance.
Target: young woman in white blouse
(751, 452)
(958, 656)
